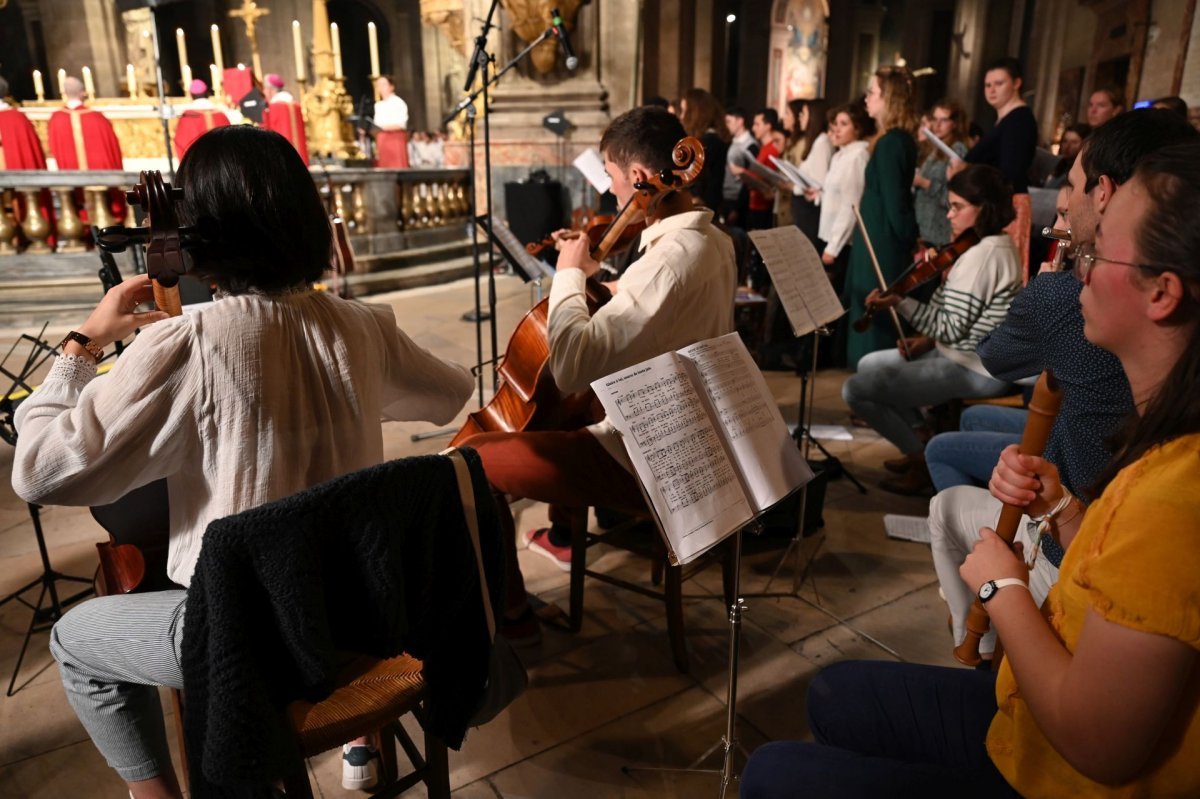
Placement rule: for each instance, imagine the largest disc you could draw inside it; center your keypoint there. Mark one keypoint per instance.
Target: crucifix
(249, 13)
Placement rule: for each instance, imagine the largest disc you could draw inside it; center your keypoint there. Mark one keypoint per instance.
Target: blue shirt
(1044, 330)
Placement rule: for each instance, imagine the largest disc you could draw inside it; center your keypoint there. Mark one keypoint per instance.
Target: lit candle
(62, 83)
(216, 79)
(88, 85)
(218, 56)
(131, 80)
(373, 41)
(298, 47)
(337, 50)
(38, 88)
(183, 59)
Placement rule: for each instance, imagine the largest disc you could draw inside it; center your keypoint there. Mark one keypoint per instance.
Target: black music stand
(44, 616)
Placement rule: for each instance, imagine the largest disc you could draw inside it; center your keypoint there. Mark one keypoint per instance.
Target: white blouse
(843, 188)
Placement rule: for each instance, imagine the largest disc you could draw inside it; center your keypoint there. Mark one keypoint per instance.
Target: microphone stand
(482, 59)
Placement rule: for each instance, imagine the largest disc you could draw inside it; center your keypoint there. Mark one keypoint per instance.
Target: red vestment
(391, 149)
(286, 119)
(81, 138)
(19, 144)
(193, 123)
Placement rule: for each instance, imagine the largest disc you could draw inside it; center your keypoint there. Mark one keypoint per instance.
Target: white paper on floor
(907, 528)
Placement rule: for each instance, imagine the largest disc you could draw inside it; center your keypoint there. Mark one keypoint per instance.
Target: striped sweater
(971, 302)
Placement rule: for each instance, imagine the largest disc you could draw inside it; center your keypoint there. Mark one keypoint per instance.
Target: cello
(138, 524)
(528, 398)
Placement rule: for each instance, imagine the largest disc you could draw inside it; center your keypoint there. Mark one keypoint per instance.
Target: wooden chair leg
(673, 594)
(437, 768)
(389, 769)
(177, 706)
(578, 565)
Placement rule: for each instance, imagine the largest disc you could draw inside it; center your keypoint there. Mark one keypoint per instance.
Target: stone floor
(600, 700)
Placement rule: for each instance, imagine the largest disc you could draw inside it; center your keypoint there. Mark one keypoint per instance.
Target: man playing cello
(680, 291)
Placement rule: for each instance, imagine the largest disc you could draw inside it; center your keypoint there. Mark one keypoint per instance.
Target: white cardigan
(843, 188)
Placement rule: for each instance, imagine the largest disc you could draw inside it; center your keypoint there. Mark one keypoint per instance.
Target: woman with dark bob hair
(271, 389)
(889, 391)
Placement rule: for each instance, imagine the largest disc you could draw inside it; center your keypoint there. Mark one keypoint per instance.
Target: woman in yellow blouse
(1099, 697)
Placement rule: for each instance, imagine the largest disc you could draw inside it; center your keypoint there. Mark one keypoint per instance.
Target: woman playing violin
(888, 390)
(1100, 696)
(241, 402)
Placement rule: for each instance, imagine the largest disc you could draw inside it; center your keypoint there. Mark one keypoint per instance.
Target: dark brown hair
(985, 187)
(646, 134)
(704, 113)
(1168, 239)
(859, 118)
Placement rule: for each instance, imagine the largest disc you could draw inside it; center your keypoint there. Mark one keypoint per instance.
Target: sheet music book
(769, 175)
(591, 165)
(799, 276)
(527, 266)
(706, 439)
(794, 172)
(941, 145)
(907, 528)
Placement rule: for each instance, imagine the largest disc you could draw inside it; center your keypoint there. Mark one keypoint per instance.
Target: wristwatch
(92, 348)
(989, 589)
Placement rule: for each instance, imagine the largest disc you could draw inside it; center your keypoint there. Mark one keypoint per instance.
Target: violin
(138, 524)
(528, 398)
(922, 271)
(594, 229)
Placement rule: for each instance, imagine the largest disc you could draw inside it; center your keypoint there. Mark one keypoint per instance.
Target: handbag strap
(466, 490)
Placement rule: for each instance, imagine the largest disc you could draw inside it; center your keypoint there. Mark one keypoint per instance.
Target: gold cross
(250, 13)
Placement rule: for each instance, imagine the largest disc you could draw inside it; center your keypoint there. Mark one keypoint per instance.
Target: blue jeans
(886, 729)
(889, 391)
(968, 456)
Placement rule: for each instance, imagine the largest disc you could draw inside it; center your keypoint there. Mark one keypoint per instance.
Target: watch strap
(1003, 582)
(90, 346)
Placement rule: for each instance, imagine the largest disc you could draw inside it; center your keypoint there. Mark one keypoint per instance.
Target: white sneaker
(359, 767)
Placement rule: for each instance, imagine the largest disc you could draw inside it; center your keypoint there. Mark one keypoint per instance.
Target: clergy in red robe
(19, 144)
(283, 115)
(200, 118)
(81, 138)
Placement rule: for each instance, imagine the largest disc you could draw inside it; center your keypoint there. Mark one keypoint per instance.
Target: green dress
(887, 212)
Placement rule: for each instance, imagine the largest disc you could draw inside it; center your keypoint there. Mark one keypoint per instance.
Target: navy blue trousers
(886, 729)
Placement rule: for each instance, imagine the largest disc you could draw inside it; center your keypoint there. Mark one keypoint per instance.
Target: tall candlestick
(216, 79)
(62, 83)
(88, 85)
(187, 80)
(298, 48)
(183, 59)
(131, 80)
(38, 88)
(337, 50)
(218, 56)
(373, 41)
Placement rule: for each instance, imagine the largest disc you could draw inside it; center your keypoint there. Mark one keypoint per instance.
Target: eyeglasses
(938, 120)
(958, 208)
(1086, 260)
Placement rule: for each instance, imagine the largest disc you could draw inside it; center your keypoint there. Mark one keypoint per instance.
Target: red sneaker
(539, 542)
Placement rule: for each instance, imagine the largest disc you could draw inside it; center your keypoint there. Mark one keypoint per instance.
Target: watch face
(986, 590)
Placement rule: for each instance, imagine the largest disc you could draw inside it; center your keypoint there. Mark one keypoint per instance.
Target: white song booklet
(706, 439)
(798, 275)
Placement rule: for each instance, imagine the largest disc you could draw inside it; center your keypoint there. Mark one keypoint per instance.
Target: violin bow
(883, 284)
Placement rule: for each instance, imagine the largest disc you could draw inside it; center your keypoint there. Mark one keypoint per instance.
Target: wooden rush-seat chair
(640, 536)
(370, 695)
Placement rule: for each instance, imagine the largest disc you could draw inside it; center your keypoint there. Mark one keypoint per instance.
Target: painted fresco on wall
(801, 32)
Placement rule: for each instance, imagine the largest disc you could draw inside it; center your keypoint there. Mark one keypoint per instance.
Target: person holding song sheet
(890, 390)
(948, 123)
(680, 291)
(1098, 696)
(887, 204)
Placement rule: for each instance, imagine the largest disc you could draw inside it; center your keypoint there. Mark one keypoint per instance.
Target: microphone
(560, 33)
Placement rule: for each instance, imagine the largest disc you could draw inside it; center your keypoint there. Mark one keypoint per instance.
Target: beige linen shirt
(241, 402)
(679, 292)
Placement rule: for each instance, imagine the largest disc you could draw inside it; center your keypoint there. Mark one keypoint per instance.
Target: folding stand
(729, 740)
(43, 617)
